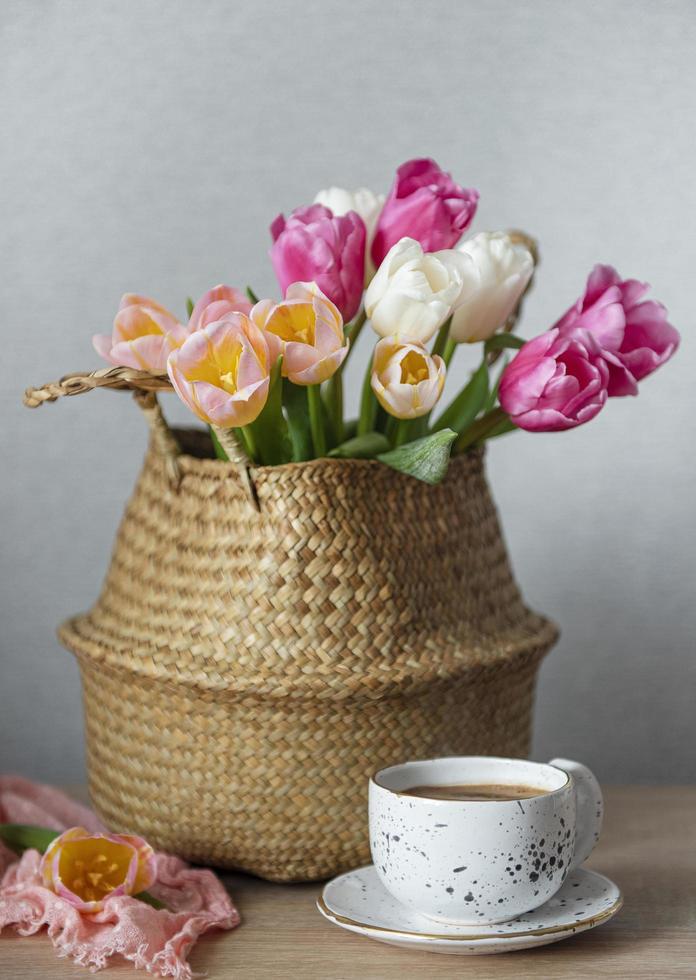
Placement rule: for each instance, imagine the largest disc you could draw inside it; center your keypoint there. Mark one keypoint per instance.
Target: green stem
(353, 331)
(316, 421)
(248, 441)
(219, 451)
(402, 432)
(334, 405)
(334, 386)
(442, 336)
(480, 429)
(368, 404)
(450, 348)
(390, 428)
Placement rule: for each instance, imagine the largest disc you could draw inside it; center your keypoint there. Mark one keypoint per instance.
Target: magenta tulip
(314, 245)
(426, 204)
(632, 334)
(554, 382)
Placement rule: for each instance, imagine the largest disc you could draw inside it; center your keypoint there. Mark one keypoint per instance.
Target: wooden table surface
(648, 848)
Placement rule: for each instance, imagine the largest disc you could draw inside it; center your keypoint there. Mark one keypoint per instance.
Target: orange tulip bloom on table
(87, 869)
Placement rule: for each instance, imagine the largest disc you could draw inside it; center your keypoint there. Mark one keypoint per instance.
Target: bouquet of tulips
(267, 375)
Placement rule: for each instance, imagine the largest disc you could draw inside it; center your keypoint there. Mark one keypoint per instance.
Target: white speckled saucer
(359, 902)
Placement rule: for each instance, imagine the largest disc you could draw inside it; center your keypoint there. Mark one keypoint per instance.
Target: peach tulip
(216, 303)
(307, 329)
(406, 379)
(143, 337)
(221, 372)
(87, 869)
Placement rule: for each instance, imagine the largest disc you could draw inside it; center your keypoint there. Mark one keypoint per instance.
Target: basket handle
(116, 378)
(144, 387)
(163, 438)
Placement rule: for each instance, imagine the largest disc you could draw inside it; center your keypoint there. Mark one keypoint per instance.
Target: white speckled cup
(474, 862)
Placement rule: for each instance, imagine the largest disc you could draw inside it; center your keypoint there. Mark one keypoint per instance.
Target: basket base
(275, 788)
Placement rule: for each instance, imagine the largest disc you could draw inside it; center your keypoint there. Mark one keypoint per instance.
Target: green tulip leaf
(471, 399)
(189, 306)
(425, 459)
(366, 446)
(150, 900)
(500, 341)
(270, 430)
(350, 428)
(253, 298)
(20, 837)
(297, 411)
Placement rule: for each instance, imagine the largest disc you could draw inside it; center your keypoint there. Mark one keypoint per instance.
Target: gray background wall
(146, 146)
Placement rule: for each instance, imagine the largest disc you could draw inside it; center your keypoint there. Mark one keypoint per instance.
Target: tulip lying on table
(87, 869)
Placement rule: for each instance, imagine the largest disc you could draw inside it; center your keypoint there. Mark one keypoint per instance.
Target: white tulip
(367, 204)
(413, 292)
(406, 379)
(494, 281)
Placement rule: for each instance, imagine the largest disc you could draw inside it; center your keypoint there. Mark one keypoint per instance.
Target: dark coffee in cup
(472, 792)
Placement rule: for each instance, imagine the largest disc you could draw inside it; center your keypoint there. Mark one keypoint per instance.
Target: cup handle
(589, 807)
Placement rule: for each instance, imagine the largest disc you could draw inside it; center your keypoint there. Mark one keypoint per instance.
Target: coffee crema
(475, 792)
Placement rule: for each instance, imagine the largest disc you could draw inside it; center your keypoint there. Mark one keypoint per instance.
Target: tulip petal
(102, 344)
(631, 335)
(148, 353)
(214, 304)
(321, 370)
(314, 245)
(425, 204)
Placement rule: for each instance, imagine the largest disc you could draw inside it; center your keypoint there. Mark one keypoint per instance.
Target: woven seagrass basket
(245, 668)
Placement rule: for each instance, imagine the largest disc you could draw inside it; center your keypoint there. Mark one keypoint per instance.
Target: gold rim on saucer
(592, 920)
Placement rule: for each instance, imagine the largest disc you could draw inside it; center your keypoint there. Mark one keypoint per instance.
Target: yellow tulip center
(295, 322)
(220, 367)
(93, 867)
(228, 380)
(414, 368)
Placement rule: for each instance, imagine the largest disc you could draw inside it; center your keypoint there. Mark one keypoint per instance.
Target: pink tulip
(632, 335)
(143, 337)
(314, 245)
(307, 329)
(426, 204)
(221, 372)
(216, 303)
(554, 382)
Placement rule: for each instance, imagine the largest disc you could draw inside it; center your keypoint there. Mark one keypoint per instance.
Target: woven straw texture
(244, 670)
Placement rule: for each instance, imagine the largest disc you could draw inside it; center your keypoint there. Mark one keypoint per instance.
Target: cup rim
(431, 800)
